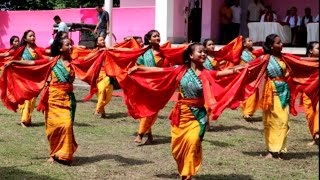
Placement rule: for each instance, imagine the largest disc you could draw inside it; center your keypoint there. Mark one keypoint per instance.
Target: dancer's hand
(8, 63)
(133, 69)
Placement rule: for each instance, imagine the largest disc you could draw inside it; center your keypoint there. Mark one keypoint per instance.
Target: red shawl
(20, 82)
(148, 92)
(132, 43)
(304, 77)
(230, 52)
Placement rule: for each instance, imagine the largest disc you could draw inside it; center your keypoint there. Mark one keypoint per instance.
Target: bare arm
(28, 63)
(91, 55)
(310, 58)
(5, 54)
(233, 70)
(142, 68)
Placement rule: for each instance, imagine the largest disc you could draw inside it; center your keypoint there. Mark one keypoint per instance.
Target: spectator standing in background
(294, 22)
(236, 18)
(302, 30)
(195, 20)
(255, 10)
(225, 22)
(102, 28)
(61, 25)
(268, 16)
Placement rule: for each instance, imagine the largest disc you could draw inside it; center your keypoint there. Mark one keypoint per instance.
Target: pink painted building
(136, 17)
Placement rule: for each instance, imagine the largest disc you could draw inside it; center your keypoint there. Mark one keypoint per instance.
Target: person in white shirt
(307, 18)
(236, 18)
(268, 16)
(293, 19)
(255, 10)
(61, 25)
(294, 22)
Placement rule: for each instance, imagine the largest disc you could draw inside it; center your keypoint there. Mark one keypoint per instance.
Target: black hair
(244, 40)
(137, 37)
(56, 46)
(190, 49)
(147, 37)
(206, 41)
(57, 18)
(269, 43)
(99, 5)
(310, 46)
(12, 39)
(23, 42)
(59, 34)
(96, 41)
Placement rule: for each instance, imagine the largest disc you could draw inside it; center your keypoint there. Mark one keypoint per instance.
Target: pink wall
(178, 21)
(137, 3)
(281, 6)
(16, 22)
(210, 19)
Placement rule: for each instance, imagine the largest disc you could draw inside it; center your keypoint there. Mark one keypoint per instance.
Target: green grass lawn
(232, 149)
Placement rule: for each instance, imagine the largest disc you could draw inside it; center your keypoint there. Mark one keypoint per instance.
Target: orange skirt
(59, 125)
(185, 143)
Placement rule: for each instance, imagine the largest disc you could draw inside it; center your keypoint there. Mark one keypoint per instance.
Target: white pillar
(164, 18)
(108, 5)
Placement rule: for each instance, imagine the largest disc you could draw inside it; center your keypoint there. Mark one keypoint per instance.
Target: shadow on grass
(157, 139)
(299, 155)
(223, 177)
(37, 124)
(218, 143)
(163, 117)
(83, 101)
(168, 176)
(15, 173)
(209, 176)
(255, 119)
(286, 156)
(116, 115)
(78, 161)
(222, 128)
(81, 124)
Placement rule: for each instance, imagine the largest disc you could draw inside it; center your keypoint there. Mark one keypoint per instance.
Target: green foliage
(52, 4)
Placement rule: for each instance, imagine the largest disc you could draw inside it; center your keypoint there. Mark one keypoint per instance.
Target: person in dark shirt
(102, 27)
(195, 20)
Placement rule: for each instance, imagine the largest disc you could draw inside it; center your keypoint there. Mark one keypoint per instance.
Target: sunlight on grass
(232, 149)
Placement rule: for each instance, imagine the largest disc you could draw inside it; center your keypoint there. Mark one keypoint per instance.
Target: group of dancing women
(206, 82)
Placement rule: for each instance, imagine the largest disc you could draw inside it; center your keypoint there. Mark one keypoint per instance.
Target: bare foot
(313, 142)
(50, 160)
(23, 125)
(138, 139)
(268, 156)
(247, 118)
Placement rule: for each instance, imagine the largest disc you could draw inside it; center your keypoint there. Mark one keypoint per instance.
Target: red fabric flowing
(231, 90)
(17, 55)
(20, 82)
(173, 56)
(304, 77)
(3, 50)
(132, 44)
(88, 71)
(156, 89)
(258, 52)
(230, 52)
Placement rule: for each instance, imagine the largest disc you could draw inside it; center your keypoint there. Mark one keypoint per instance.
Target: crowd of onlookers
(230, 20)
